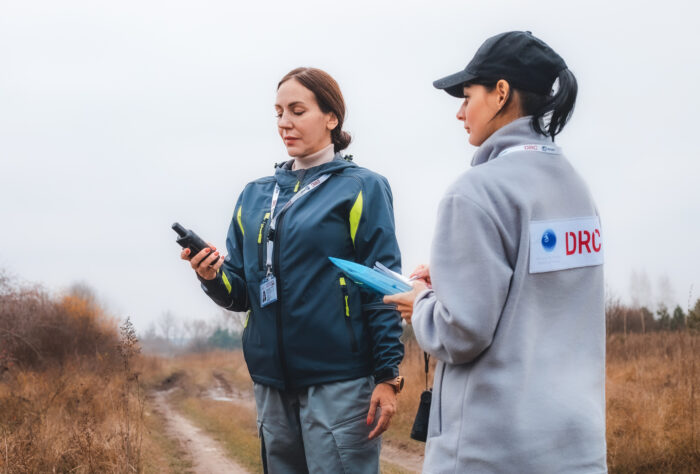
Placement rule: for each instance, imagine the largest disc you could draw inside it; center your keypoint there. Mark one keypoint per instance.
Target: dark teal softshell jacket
(322, 328)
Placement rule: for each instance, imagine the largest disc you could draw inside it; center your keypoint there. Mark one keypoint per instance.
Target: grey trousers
(317, 429)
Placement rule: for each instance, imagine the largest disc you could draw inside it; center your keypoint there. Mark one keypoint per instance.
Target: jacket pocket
(435, 418)
(356, 452)
(378, 305)
(352, 433)
(346, 312)
(244, 337)
(262, 241)
(251, 335)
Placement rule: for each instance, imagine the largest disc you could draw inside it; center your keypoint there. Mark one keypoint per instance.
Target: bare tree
(83, 291)
(614, 310)
(151, 333)
(167, 324)
(640, 292)
(198, 331)
(666, 294)
(640, 289)
(232, 320)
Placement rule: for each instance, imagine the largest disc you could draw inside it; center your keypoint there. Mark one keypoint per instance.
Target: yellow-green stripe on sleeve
(238, 217)
(355, 215)
(226, 282)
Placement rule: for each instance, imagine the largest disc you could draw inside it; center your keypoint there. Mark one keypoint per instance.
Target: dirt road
(406, 460)
(222, 390)
(206, 454)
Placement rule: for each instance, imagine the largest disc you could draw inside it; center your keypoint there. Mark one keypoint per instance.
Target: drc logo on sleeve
(562, 244)
(549, 240)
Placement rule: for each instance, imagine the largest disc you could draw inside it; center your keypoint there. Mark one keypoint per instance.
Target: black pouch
(419, 432)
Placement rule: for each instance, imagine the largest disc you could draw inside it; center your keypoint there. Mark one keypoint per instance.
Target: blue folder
(371, 278)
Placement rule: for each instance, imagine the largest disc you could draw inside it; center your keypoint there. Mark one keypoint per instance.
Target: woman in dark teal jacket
(323, 354)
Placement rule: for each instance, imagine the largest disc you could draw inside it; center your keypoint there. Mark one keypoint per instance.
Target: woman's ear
(332, 121)
(503, 91)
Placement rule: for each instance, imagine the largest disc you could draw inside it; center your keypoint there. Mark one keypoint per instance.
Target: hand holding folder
(378, 279)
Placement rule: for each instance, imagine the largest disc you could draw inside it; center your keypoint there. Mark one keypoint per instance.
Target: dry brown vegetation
(194, 373)
(70, 399)
(653, 413)
(652, 402)
(652, 383)
(188, 380)
(413, 369)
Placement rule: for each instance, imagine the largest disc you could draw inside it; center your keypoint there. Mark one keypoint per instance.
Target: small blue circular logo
(549, 240)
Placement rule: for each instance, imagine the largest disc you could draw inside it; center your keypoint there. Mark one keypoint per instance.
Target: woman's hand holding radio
(206, 263)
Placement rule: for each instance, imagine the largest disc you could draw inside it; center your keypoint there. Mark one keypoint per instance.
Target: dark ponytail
(550, 113)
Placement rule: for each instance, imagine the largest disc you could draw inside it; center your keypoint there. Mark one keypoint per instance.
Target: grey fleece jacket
(519, 385)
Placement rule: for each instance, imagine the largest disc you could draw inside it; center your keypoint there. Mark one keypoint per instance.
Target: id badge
(268, 291)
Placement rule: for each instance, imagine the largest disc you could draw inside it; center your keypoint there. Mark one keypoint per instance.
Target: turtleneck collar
(285, 176)
(517, 132)
(324, 155)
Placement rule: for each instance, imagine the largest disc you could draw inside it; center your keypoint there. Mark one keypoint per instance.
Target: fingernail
(207, 250)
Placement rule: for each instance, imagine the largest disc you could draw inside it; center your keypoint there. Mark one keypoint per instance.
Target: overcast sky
(119, 118)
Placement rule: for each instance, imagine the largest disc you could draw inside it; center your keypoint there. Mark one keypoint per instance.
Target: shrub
(37, 330)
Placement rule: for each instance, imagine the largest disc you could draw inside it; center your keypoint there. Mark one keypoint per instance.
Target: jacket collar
(517, 132)
(285, 176)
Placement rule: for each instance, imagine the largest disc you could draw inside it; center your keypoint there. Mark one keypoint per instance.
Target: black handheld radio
(419, 431)
(189, 240)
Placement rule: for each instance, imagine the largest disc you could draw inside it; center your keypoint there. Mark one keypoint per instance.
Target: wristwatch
(396, 383)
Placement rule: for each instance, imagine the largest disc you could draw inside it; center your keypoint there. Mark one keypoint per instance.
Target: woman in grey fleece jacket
(515, 313)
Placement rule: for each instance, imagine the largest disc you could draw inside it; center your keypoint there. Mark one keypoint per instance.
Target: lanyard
(552, 150)
(426, 359)
(273, 218)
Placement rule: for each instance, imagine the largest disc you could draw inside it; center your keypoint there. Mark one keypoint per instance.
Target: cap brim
(452, 84)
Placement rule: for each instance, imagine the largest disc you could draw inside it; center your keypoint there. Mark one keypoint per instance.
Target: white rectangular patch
(561, 244)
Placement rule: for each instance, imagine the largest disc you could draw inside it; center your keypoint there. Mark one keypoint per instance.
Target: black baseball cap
(520, 58)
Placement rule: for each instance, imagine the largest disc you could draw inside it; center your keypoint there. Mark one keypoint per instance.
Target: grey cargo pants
(317, 429)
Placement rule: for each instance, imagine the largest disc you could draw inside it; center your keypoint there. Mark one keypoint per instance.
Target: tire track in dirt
(406, 460)
(207, 455)
(223, 391)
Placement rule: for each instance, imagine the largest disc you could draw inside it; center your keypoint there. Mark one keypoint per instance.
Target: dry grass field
(73, 418)
(653, 408)
(652, 403)
(214, 390)
(76, 396)
(68, 418)
(71, 394)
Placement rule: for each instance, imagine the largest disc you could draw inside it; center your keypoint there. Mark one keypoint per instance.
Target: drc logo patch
(549, 240)
(565, 243)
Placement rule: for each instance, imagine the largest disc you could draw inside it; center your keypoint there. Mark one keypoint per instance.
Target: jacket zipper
(261, 256)
(278, 303)
(346, 303)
